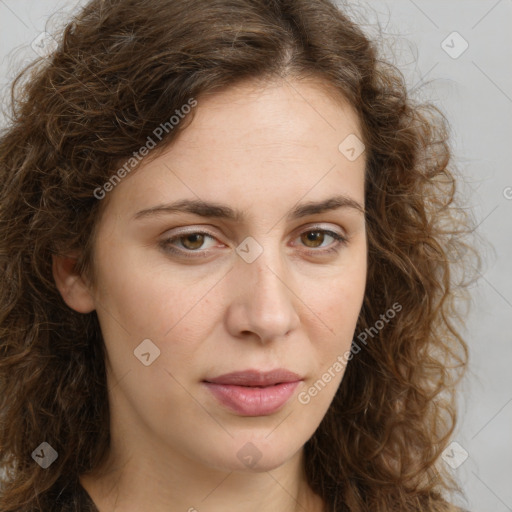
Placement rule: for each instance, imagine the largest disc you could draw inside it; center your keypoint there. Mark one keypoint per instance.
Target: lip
(256, 377)
(252, 392)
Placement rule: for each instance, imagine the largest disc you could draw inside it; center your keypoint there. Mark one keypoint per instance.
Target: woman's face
(188, 293)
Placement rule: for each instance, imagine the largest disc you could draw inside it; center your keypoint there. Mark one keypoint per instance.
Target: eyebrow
(220, 211)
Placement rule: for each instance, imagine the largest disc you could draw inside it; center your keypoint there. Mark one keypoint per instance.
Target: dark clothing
(74, 498)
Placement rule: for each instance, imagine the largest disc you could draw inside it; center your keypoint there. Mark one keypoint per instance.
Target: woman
(228, 248)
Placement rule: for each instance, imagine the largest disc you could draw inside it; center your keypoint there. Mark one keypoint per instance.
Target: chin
(251, 453)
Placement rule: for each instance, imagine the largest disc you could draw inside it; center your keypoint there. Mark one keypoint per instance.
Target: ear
(72, 286)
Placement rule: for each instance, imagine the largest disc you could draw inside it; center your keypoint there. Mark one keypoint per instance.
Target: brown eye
(313, 238)
(321, 241)
(190, 244)
(192, 241)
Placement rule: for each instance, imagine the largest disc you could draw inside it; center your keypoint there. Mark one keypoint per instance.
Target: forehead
(255, 141)
(251, 113)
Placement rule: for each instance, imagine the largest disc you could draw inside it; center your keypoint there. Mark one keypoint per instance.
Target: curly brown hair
(123, 67)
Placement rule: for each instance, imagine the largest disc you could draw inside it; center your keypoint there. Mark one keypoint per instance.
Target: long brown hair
(122, 68)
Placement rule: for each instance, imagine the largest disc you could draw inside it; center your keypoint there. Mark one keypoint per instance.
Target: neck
(139, 483)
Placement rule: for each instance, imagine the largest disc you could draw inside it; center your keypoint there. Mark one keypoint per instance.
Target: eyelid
(320, 227)
(340, 240)
(191, 230)
(199, 229)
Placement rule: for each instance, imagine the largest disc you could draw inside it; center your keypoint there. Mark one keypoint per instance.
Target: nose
(264, 304)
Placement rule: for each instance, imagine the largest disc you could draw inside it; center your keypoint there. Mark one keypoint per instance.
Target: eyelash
(188, 253)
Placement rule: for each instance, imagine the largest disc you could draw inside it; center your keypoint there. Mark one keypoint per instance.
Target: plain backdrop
(457, 54)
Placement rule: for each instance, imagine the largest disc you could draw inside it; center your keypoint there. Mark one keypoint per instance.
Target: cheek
(144, 297)
(331, 340)
(337, 307)
(140, 300)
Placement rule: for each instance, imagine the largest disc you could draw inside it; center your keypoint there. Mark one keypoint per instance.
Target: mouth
(256, 378)
(252, 392)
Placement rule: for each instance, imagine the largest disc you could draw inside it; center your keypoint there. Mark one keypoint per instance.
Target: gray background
(475, 91)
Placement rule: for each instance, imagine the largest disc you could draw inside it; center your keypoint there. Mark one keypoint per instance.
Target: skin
(262, 150)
